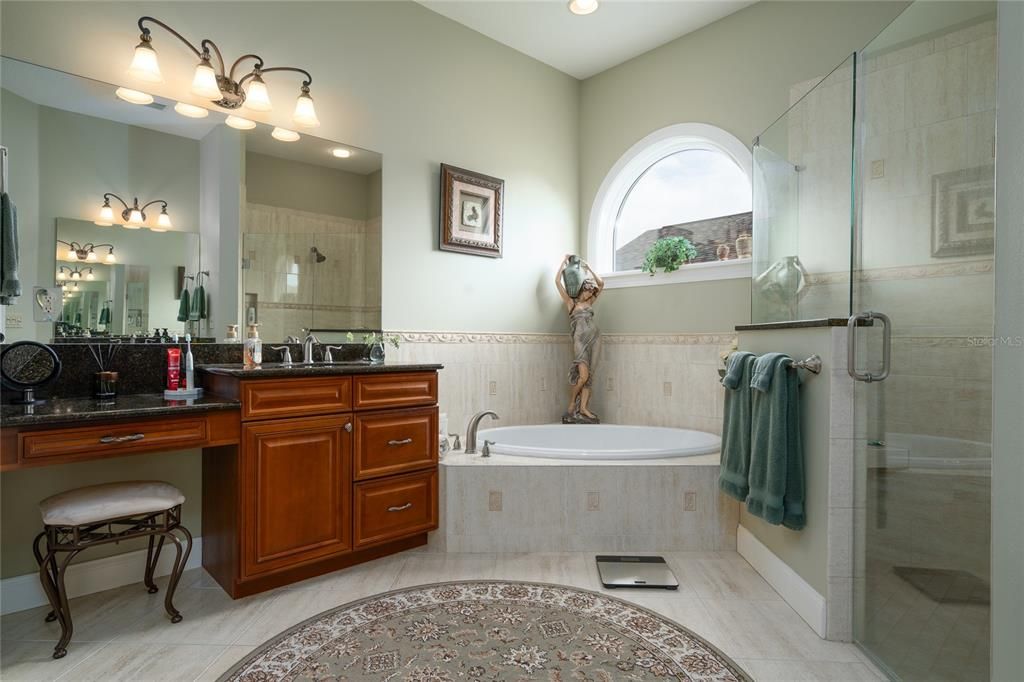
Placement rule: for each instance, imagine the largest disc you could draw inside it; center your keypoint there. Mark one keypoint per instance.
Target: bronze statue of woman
(585, 340)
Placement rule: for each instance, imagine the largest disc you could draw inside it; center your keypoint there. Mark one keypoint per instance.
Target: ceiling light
(133, 96)
(284, 135)
(190, 110)
(305, 112)
(204, 82)
(582, 7)
(257, 97)
(239, 123)
(144, 65)
(341, 153)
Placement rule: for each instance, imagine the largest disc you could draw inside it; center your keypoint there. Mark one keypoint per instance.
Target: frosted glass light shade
(341, 152)
(239, 123)
(133, 96)
(284, 135)
(106, 216)
(111, 258)
(204, 82)
(144, 64)
(305, 112)
(582, 6)
(61, 276)
(71, 254)
(90, 276)
(163, 220)
(135, 219)
(191, 111)
(257, 97)
(92, 257)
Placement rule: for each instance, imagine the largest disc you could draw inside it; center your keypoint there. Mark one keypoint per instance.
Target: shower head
(320, 258)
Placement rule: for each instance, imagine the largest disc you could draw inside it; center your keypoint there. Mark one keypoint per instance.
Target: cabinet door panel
(298, 476)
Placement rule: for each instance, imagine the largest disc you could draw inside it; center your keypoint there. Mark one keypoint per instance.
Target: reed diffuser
(105, 380)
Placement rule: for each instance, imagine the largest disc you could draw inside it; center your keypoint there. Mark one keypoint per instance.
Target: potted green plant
(375, 343)
(669, 254)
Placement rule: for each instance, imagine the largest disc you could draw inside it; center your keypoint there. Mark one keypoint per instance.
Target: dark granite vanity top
(278, 370)
(73, 410)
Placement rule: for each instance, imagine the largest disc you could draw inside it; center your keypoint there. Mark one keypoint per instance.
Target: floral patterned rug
(487, 630)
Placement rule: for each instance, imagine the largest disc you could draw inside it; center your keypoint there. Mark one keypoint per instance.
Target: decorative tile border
(318, 307)
(617, 339)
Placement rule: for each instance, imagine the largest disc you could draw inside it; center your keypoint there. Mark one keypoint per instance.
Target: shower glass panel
(803, 204)
(923, 256)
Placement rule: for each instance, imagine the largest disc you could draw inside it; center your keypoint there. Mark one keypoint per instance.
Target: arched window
(691, 180)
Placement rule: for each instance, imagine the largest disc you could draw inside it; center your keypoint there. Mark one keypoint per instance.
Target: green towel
(732, 477)
(776, 457)
(10, 283)
(198, 310)
(105, 314)
(184, 307)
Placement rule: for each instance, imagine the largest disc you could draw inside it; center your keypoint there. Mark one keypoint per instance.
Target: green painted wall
(735, 74)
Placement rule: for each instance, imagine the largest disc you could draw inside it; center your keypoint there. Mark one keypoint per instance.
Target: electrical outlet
(666, 389)
(543, 384)
(593, 501)
(15, 320)
(877, 169)
(492, 388)
(610, 384)
(494, 500)
(690, 501)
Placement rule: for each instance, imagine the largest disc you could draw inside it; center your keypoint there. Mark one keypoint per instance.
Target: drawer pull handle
(402, 508)
(404, 441)
(110, 440)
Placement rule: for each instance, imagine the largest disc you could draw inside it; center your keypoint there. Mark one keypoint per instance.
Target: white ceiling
(582, 46)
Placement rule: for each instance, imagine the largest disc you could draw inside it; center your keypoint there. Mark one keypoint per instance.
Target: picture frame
(471, 212)
(963, 212)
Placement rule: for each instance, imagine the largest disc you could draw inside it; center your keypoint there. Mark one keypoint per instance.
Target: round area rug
(487, 630)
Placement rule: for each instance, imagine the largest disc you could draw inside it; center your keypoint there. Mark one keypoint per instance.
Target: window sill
(696, 272)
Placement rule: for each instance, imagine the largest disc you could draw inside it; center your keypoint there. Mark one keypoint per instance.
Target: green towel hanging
(198, 309)
(183, 306)
(105, 314)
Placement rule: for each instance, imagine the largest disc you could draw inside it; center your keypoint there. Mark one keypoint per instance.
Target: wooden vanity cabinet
(330, 472)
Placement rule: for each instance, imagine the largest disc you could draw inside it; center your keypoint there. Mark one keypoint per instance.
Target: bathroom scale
(636, 571)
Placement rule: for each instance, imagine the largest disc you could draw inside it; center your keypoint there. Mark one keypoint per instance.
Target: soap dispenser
(253, 354)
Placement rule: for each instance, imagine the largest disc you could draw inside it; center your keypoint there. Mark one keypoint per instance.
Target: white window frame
(621, 178)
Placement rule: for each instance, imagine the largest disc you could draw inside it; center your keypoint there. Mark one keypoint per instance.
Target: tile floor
(123, 634)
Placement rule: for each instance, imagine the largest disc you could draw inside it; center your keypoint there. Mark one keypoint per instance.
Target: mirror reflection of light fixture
(239, 123)
(341, 152)
(75, 274)
(87, 252)
(190, 110)
(133, 216)
(220, 84)
(133, 96)
(284, 135)
(583, 7)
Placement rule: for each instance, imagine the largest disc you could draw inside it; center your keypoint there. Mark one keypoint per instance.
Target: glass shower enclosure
(874, 199)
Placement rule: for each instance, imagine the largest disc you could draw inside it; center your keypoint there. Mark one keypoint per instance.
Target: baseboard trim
(796, 591)
(24, 592)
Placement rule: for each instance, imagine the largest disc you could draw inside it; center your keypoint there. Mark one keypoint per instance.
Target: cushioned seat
(108, 501)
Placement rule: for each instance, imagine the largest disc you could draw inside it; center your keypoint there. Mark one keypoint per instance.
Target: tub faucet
(474, 424)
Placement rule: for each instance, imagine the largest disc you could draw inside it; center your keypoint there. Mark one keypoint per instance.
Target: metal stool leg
(67, 628)
(181, 557)
(47, 576)
(151, 560)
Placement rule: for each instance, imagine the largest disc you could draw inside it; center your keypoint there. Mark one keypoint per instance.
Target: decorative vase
(377, 352)
(722, 252)
(744, 244)
(573, 276)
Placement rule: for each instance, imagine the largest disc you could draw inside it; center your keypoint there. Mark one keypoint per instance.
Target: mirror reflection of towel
(198, 308)
(105, 314)
(184, 307)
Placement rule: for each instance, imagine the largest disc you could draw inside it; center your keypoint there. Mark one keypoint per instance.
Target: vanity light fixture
(221, 85)
(134, 216)
(133, 96)
(341, 153)
(284, 135)
(74, 273)
(239, 123)
(87, 252)
(583, 7)
(190, 110)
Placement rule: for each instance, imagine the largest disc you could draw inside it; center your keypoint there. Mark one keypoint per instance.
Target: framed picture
(471, 205)
(963, 212)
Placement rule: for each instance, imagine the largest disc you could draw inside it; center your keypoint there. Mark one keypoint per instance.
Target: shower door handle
(851, 346)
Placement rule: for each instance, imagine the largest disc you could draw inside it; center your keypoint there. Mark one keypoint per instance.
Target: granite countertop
(278, 370)
(140, 406)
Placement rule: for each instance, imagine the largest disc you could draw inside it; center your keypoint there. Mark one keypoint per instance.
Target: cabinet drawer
(395, 442)
(395, 390)
(301, 397)
(395, 507)
(114, 439)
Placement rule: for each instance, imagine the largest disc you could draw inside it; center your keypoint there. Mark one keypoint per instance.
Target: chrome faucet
(286, 354)
(307, 348)
(474, 424)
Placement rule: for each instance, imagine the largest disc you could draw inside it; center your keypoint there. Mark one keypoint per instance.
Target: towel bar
(812, 364)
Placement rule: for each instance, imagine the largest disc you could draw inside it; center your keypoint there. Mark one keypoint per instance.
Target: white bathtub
(598, 442)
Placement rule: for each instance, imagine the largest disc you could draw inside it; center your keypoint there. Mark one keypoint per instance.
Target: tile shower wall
(291, 290)
(648, 380)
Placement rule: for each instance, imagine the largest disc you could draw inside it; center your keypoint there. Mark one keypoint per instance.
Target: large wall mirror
(125, 232)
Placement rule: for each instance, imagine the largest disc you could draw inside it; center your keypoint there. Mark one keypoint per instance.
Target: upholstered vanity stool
(77, 519)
